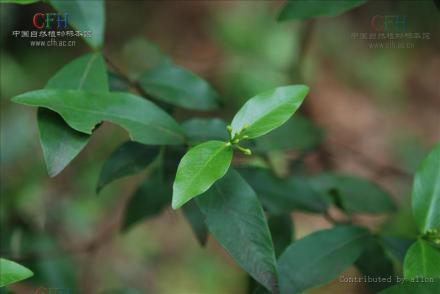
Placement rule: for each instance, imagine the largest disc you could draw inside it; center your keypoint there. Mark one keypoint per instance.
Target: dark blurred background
(379, 109)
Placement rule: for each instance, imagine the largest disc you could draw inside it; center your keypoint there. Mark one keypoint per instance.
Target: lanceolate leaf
(196, 219)
(426, 192)
(144, 121)
(422, 260)
(129, 158)
(319, 258)
(178, 86)
(59, 142)
(283, 195)
(267, 111)
(198, 130)
(235, 218)
(199, 169)
(12, 272)
(149, 200)
(85, 16)
(302, 9)
(353, 194)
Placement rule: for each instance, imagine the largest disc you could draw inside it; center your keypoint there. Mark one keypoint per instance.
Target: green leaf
(422, 260)
(298, 133)
(149, 200)
(301, 9)
(198, 130)
(196, 220)
(414, 287)
(319, 258)
(426, 192)
(353, 194)
(59, 142)
(178, 86)
(88, 72)
(236, 219)
(145, 122)
(128, 159)
(281, 230)
(267, 111)
(85, 16)
(283, 195)
(12, 272)
(201, 166)
(375, 263)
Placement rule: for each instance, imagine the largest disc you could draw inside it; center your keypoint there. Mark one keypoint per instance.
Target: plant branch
(131, 83)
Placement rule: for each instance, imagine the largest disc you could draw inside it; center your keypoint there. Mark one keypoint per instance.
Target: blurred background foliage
(375, 113)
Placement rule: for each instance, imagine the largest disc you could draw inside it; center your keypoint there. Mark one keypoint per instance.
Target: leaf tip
(175, 204)
(53, 172)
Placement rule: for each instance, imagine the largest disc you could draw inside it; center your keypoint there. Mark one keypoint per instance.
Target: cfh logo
(50, 20)
(389, 23)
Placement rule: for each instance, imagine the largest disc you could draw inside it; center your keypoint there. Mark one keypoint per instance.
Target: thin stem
(133, 84)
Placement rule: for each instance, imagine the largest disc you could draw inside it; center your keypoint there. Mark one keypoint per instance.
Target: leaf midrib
(436, 191)
(86, 71)
(112, 115)
(334, 250)
(423, 252)
(239, 215)
(204, 166)
(263, 116)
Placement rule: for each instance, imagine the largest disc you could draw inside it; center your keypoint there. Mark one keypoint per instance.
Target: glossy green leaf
(59, 142)
(422, 260)
(236, 219)
(85, 16)
(353, 194)
(178, 86)
(283, 195)
(201, 166)
(267, 111)
(375, 263)
(303, 9)
(129, 158)
(281, 230)
(298, 133)
(12, 272)
(319, 258)
(414, 287)
(148, 200)
(426, 192)
(196, 220)
(198, 130)
(145, 122)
